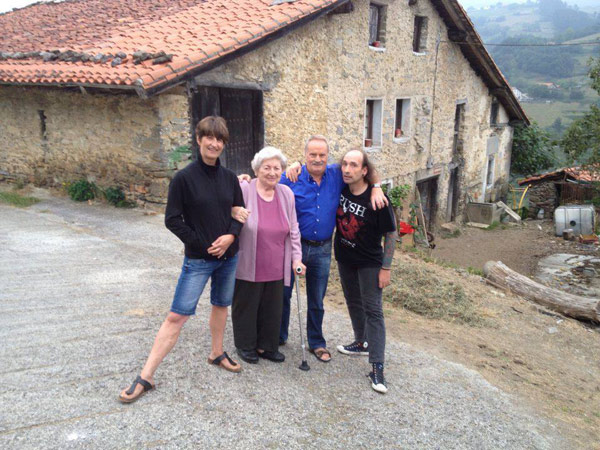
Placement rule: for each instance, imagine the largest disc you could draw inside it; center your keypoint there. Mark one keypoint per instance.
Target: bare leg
(163, 343)
(217, 322)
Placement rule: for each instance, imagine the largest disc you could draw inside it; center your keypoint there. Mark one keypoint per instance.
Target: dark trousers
(317, 261)
(256, 314)
(363, 298)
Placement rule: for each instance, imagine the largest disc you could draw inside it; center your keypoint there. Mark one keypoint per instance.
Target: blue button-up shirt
(316, 204)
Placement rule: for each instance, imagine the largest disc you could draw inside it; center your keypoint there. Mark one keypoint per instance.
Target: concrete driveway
(83, 290)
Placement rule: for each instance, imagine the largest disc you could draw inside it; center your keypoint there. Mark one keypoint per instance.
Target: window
(376, 25)
(420, 34)
(458, 118)
(489, 179)
(494, 112)
(373, 115)
(402, 122)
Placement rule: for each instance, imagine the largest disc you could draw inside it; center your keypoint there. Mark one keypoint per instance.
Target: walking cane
(304, 365)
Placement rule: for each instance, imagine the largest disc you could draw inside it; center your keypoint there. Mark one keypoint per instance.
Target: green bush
(82, 190)
(115, 196)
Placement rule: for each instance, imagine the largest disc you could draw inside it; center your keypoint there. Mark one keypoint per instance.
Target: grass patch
(18, 200)
(495, 224)
(474, 271)
(420, 290)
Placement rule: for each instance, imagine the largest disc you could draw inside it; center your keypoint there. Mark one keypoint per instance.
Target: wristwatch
(377, 185)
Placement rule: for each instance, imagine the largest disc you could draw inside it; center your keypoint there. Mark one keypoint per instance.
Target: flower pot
(376, 44)
(368, 142)
(398, 133)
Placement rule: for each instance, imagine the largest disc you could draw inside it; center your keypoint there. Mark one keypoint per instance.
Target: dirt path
(519, 247)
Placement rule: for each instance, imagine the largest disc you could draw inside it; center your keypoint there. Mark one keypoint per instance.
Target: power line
(525, 45)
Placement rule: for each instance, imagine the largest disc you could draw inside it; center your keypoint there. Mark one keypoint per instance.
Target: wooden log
(568, 304)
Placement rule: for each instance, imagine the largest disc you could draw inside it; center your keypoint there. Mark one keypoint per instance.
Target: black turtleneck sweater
(199, 207)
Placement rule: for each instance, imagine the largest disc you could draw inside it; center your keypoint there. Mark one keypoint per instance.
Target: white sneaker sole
(341, 349)
(381, 388)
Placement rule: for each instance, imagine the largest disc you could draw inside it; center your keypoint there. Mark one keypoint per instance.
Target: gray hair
(316, 137)
(268, 153)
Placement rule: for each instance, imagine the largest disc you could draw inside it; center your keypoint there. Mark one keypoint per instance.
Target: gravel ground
(83, 292)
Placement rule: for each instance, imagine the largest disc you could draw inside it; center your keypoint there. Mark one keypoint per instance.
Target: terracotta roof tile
(195, 33)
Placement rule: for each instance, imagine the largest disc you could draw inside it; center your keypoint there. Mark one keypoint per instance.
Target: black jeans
(256, 314)
(363, 298)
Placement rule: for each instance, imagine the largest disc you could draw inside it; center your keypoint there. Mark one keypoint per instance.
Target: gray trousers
(363, 298)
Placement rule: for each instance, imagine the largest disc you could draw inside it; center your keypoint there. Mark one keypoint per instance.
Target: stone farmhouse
(111, 91)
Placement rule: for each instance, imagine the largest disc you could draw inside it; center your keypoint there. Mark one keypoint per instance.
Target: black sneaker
(377, 379)
(356, 348)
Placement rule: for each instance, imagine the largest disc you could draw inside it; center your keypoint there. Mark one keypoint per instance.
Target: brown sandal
(319, 354)
(218, 361)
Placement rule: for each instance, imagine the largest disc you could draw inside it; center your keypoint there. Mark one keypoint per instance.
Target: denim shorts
(194, 276)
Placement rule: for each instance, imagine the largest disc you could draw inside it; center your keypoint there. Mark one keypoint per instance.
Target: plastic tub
(580, 218)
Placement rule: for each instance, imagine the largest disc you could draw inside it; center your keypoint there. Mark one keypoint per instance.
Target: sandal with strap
(218, 361)
(139, 380)
(319, 354)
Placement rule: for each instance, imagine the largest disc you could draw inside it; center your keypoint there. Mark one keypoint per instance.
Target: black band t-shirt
(359, 229)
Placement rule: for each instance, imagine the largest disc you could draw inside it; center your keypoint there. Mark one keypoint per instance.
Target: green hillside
(554, 77)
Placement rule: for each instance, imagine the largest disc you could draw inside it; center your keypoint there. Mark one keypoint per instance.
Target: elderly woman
(269, 248)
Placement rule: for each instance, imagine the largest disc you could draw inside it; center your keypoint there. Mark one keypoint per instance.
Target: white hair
(268, 153)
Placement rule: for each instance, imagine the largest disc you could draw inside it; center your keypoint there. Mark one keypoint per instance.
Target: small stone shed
(111, 91)
(570, 185)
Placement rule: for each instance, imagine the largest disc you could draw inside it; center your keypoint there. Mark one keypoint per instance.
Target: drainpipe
(437, 47)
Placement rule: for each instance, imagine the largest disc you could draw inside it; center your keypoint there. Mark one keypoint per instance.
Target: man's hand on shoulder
(244, 177)
(378, 198)
(220, 245)
(293, 171)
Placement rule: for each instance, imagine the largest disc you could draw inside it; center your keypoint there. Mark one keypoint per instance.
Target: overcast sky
(7, 5)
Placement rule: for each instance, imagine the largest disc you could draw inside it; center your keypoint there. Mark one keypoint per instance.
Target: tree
(532, 151)
(581, 141)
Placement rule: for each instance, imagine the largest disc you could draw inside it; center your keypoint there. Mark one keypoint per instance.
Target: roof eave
(475, 52)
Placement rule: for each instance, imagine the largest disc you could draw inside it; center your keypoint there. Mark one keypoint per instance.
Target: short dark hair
(214, 126)
(370, 175)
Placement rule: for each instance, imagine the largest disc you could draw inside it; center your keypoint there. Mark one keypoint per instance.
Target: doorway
(453, 194)
(243, 111)
(428, 191)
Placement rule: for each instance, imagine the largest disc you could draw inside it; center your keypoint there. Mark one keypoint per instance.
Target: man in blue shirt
(317, 187)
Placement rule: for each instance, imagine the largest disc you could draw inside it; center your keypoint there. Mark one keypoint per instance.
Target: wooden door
(428, 192)
(242, 109)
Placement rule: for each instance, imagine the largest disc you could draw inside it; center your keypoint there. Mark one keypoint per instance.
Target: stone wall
(52, 136)
(542, 195)
(317, 80)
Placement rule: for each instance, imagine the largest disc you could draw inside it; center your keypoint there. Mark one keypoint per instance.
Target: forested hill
(548, 19)
(553, 77)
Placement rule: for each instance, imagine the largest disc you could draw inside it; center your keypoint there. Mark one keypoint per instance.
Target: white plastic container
(581, 218)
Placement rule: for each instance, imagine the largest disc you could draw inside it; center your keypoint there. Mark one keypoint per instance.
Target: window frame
(419, 46)
(405, 119)
(381, 11)
(370, 118)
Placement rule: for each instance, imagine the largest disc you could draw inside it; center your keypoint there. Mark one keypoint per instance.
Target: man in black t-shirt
(364, 266)
(198, 212)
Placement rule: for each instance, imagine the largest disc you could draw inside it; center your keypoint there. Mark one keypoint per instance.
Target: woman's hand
(293, 172)
(298, 265)
(240, 214)
(220, 246)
